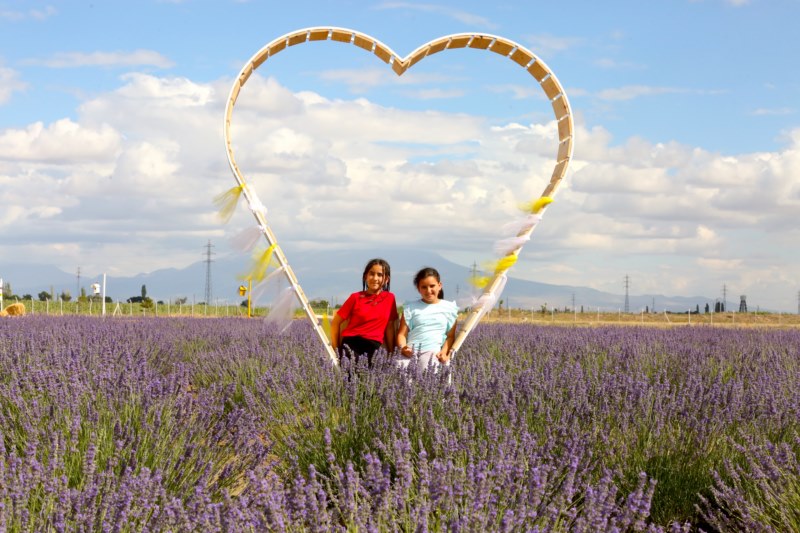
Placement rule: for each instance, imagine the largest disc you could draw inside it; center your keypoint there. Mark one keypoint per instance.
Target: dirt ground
(647, 319)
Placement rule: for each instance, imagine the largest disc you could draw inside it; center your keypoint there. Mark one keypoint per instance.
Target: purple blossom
(227, 425)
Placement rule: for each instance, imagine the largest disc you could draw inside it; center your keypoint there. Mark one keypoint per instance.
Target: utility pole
(627, 299)
(573, 301)
(724, 297)
(209, 253)
(798, 302)
(78, 284)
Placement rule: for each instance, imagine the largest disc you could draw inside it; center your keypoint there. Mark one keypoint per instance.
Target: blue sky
(686, 174)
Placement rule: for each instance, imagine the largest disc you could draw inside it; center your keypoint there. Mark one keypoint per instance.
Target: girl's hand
(407, 351)
(443, 357)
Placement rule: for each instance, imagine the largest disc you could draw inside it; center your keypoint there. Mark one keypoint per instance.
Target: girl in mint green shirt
(428, 326)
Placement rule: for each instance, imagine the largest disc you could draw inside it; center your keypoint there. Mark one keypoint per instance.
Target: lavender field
(144, 424)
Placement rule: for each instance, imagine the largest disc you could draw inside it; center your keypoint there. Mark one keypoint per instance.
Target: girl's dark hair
(387, 273)
(427, 272)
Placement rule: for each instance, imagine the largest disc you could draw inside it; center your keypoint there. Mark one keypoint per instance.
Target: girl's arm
(444, 354)
(389, 336)
(402, 339)
(336, 323)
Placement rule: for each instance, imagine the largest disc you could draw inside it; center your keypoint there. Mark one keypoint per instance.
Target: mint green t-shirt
(428, 324)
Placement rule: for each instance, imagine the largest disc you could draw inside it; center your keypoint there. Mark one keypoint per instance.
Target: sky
(685, 176)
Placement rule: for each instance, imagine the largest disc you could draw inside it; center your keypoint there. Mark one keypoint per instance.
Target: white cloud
(361, 81)
(681, 220)
(546, 45)
(720, 265)
(61, 141)
(434, 94)
(519, 92)
(133, 176)
(9, 84)
(36, 14)
(358, 80)
(630, 92)
(172, 91)
(609, 63)
(136, 58)
(464, 17)
(780, 111)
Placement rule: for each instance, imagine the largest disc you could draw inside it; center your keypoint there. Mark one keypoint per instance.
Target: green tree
(65, 296)
(144, 292)
(318, 303)
(44, 295)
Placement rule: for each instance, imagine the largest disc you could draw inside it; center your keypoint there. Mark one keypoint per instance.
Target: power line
(209, 253)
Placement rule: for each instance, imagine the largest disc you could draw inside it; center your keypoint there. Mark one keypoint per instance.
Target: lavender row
(222, 424)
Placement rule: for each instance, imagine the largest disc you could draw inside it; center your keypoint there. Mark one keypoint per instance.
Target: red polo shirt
(368, 314)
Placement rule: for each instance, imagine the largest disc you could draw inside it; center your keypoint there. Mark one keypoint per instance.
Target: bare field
(646, 319)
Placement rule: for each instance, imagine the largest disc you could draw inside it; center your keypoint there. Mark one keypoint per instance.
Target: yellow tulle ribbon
(537, 205)
(326, 325)
(226, 202)
(479, 281)
(505, 263)
(261, 263)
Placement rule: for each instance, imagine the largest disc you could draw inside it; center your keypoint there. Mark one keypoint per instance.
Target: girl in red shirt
(371, 315)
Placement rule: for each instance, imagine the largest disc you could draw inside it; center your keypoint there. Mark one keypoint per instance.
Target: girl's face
(429, 289)
(375, 279)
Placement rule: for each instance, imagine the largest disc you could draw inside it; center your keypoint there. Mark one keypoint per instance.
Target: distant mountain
(332, 275)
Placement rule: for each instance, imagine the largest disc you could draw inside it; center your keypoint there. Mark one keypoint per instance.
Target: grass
(551, 317)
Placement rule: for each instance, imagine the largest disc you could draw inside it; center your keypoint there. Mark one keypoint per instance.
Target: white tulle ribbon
(487, 300)
(281, 312)
(262, 286)
(524, 224)
(255, 203)
(511, 244)
(247, 239)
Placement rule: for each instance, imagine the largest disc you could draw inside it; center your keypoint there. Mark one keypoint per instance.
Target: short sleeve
(408, 313)
(452, 315)
(347, 308)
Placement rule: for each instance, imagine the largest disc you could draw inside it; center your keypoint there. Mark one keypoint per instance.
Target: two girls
(427, 328)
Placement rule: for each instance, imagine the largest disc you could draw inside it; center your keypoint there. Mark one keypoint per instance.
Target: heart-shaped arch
(499, 45)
